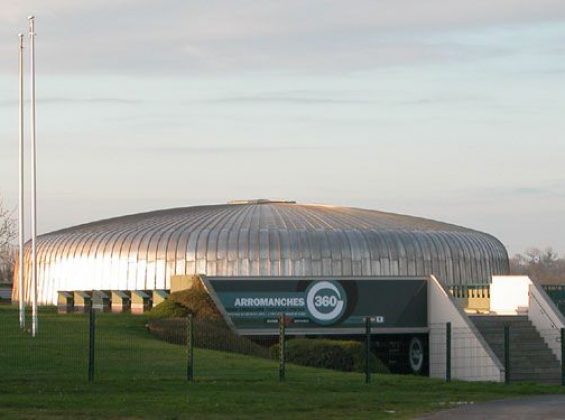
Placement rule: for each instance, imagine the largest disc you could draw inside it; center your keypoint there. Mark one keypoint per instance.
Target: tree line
(7, 251)
(542, 266)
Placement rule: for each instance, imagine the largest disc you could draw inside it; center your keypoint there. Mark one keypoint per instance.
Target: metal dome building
(257, 238)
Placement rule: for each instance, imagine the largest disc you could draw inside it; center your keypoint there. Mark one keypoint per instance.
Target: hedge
(348, 356)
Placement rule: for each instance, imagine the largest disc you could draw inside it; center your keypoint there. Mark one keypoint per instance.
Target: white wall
(547, 318)
(509, 295)
(471, 357)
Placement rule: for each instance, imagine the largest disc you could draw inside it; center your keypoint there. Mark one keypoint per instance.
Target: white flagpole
(21, 185)
(33, 178)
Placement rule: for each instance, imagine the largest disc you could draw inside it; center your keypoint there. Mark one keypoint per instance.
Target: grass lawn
(138, 376)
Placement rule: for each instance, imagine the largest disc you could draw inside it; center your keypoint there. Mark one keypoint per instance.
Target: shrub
(348, 356)
(196, 301)
(168, 309)
(208, 334)
(210, 329)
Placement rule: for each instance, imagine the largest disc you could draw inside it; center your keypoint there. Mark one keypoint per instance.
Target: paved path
(545, 407)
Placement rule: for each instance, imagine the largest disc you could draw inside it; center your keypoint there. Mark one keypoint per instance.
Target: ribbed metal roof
(260, 238)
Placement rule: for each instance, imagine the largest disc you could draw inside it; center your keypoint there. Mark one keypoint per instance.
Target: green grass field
(138, 376)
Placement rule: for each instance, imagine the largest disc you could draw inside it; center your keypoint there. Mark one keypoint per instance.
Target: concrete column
(83, 300)
(101, 300)
(159, 296)
(140, 301)
(121, 300)
(65, 302)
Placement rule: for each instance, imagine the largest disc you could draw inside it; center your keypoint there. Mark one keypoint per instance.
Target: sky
(443, 109)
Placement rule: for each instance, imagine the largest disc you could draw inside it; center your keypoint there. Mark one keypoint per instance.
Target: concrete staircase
(530, 357)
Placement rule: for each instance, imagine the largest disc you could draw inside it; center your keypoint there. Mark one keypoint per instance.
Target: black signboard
(321, 305)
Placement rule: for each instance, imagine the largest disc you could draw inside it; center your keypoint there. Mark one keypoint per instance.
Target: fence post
(189, 348)
(282, 347)
(91, 342)
(367, 349)
(506, 354)
(563, 356)
(448, 352)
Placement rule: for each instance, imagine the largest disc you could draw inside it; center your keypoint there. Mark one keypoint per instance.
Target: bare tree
(7, 234)
(543, 266)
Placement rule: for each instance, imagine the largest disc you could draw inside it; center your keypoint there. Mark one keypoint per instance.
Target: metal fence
(524, 353)
(557, 293)
(102, 347)
(61, 349)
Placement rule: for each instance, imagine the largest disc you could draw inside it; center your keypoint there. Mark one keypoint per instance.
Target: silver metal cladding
(261, 238)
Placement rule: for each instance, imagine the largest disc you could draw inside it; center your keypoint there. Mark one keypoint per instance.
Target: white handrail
(558, 319)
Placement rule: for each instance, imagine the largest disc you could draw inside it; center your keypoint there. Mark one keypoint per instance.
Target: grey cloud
(341, 98)
(62, 100)
(230, 19)
(143, 147)
(172, 36)
(548, 189)
(554, 189)
(98, 100)
(549, 72)
(528, 191)
(443, 99)
(168, 150)
(288, 100)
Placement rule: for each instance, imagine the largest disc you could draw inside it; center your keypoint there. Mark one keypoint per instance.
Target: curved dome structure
(258, 238)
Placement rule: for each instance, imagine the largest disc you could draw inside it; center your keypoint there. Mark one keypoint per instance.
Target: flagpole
(33, 177)
(21, 183)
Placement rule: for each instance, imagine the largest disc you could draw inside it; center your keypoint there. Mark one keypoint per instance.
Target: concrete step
(522, 323)
(530, 357)
(517, 346)
(499, 318)
(535, 377)
(497, 327)
(542, 364)
(524, 371)
(483, 320)
(541, 379)
(522, 363)
(515, 339)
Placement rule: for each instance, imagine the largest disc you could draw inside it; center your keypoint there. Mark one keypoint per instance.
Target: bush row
(348, 356)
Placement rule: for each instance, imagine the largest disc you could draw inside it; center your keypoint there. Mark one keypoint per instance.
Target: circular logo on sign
(325, 301)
